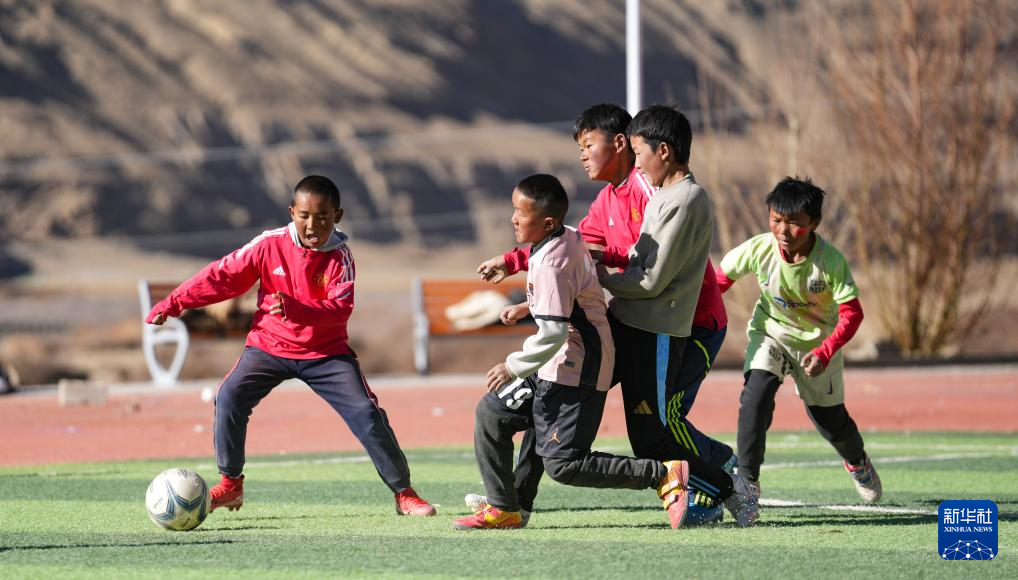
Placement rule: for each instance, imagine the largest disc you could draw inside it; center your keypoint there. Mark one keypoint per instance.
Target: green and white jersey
(798, 303)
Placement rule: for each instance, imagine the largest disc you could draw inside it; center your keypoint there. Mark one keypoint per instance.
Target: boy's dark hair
(793, 195)
(608, 118)
(317, 185)
(657, 124)
(547, 193)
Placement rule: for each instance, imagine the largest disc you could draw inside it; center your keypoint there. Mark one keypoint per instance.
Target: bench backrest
(437, 295)
(159, 290)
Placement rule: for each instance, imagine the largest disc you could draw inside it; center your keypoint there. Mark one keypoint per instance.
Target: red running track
(151, 423)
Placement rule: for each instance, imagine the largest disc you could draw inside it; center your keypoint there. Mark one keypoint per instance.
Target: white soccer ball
(178, 499)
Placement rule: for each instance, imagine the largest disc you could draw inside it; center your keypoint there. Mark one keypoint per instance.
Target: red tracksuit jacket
(318, 288)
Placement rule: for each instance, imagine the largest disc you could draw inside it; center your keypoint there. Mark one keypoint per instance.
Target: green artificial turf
(330, 516)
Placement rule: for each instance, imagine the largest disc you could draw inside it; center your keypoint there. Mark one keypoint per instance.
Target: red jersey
(614, 221)
(317, 284)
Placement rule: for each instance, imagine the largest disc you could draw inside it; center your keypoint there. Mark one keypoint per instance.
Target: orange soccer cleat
(490, 518)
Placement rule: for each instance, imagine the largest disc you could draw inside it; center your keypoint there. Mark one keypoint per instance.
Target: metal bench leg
(421, 328)
(172, 332)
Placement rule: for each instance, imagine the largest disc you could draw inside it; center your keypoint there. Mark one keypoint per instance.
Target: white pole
(634, 64)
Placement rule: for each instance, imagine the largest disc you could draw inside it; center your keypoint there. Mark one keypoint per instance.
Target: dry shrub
(922, 102)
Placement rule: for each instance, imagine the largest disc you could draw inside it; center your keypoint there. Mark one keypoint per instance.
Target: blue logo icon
(967, 530)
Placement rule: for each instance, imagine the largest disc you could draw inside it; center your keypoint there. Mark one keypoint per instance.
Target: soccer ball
(178, 499)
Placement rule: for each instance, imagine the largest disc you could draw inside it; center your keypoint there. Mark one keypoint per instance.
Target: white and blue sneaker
(703, 509)
(477, 502)
(866, 480)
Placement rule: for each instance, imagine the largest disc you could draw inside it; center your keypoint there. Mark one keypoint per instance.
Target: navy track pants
(336, 379)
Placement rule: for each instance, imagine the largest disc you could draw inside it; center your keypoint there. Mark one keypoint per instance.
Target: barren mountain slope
(124, 117)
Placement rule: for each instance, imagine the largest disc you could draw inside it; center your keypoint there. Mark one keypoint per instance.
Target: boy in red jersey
(656, 420)
(305, 299)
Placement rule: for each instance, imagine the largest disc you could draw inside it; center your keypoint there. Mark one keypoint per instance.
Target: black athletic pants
(649, 368)
(756, 411)
(495, 424)
(494, 427)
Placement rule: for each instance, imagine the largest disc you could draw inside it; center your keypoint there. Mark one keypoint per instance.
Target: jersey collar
(555, 234)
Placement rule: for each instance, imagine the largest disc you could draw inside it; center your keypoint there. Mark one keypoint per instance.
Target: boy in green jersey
(808, 309)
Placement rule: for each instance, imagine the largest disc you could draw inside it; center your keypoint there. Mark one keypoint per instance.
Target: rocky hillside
(178, 116)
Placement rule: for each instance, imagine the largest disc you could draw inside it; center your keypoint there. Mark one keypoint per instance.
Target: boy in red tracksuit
(305, 299)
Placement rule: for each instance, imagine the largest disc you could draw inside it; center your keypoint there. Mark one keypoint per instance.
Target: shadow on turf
(239, 523)
(124, 545)
(854, 519)
(238, 526)
(633, 508)
(260, 518)
(630, 509)
(795, 520)
(1001, 515)
(662, 525)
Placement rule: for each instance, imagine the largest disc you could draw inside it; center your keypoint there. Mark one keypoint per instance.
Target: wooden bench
(193, 324)
(430, 298)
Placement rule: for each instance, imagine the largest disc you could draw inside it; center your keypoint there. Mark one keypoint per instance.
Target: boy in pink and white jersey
(557, 383)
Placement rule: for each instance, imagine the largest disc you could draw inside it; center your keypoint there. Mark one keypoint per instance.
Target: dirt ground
(144, 422)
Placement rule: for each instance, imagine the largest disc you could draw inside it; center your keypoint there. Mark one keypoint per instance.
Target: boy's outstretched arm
(849, 319)
(735, 264)
(501, 267)
(494, 270)
(221, 280)
(156, 318)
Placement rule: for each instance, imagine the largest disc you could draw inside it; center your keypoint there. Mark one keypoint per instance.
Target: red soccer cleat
(408, 503)
(229, 493)
(490, 518)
